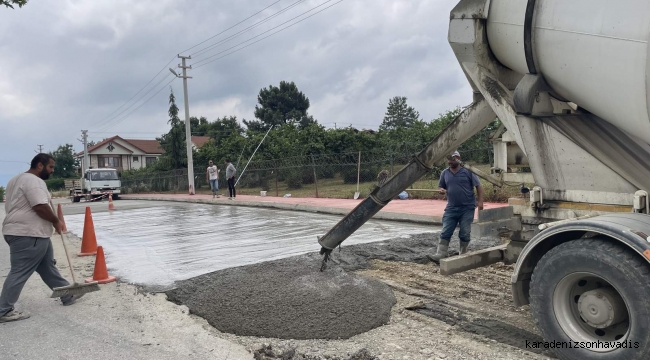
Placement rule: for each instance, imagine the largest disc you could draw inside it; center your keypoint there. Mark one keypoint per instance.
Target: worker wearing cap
(458, 184)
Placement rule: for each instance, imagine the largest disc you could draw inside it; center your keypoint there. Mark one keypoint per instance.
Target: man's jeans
(454, 217)
(214, 185)
(28, 254)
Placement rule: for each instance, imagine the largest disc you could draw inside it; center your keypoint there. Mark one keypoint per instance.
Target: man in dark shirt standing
(458, 183)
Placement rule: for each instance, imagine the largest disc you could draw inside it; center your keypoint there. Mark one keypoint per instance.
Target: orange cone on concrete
(100, 274)
(111, 206)
(88, 240)
(59, 213)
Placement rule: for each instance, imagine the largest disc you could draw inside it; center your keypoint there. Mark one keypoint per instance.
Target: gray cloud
(66, 65)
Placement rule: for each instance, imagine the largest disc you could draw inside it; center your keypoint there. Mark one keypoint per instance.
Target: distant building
(127, 154)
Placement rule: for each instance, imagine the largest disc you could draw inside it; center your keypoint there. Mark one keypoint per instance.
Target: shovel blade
(356, 195)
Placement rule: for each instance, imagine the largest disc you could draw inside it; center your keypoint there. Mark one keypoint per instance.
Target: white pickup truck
(95, 183)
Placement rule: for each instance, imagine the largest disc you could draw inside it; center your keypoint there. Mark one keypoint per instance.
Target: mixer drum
(593, 53)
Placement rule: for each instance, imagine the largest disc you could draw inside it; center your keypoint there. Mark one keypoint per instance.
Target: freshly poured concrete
(166, 242)
(287, 299)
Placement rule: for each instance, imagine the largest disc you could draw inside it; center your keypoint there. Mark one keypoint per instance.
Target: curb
(381, 215)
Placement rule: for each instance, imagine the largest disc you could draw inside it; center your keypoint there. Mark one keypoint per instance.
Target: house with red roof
(127, 154)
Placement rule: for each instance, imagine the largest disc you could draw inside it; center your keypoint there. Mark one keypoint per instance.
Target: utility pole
(188, 127)
(85, 165)
(40, 148)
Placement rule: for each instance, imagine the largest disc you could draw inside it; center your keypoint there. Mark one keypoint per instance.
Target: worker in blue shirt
(458, 184)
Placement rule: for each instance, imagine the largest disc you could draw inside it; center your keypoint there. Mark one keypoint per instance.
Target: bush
(55, 184)
(308, 176)
(2, 193)
(325, 172)
(294, 180)
(367, 173)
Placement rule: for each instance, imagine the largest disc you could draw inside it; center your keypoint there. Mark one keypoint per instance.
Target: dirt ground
(463, 316)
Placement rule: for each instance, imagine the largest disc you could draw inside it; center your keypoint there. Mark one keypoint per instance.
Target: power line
(146, 101)
(114, 111)
(232, 52)
(108, 125)
(199, 52)
(212, 37)
(110, 116)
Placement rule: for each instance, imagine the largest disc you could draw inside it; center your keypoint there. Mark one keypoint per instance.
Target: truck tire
(76, 199)
(116, 197)
(590, 290)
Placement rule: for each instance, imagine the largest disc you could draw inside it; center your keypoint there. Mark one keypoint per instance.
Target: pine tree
(174, 141)
(399, 114)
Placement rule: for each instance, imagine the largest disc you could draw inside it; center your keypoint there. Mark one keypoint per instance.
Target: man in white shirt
(212, 176)
(27, 228)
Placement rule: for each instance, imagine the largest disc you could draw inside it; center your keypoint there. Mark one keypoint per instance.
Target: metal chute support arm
(470, 121)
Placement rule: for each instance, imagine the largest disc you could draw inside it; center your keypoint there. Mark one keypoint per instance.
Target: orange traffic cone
(111, 206)
(88, 241)
(101, 274)
(59, 212)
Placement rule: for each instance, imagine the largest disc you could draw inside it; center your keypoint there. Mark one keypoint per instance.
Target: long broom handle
(65, 248)
(74, 279)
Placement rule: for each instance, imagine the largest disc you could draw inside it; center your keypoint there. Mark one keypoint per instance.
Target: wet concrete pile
(411, 249)
(287, 299)
(292, 299)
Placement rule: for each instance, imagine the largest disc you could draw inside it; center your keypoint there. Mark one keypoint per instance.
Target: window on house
(109, 162)
(150, 160)
(135, 158)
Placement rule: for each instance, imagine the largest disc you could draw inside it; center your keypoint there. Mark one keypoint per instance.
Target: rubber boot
(463, 247)
(441, 253)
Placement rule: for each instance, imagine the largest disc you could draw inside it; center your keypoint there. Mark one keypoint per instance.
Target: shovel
(357, 193)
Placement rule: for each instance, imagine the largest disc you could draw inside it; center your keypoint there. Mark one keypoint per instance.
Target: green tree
(280, 105)
(218, 129)
(65, 162)
(11, 3)
(399, 114)
(2, 193)
(174, 141)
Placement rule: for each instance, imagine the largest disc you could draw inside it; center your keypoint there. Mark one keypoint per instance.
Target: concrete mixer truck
(570, 82)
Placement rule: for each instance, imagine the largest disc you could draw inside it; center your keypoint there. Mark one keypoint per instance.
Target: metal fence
(328, 175)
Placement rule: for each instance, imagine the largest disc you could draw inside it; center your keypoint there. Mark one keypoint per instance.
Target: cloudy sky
(69, 65)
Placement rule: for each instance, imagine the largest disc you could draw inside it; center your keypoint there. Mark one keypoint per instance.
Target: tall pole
(86, 165)
(188, 127)
(40, 148)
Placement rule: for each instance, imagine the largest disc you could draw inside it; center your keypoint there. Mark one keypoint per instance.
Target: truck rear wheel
(589, 299)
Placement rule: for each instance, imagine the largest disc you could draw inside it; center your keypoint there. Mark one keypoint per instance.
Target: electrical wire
(111, 116)
(146, 101)
(139, 91)
(297, 22)
(212, 37)
(203, 51)
(108, 125)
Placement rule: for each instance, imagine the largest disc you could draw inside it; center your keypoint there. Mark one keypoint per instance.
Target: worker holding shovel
(27, 229)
